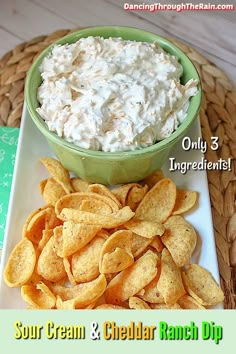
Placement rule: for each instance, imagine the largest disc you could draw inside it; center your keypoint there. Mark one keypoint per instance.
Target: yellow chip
(74, 201)
(116, 261)
(46, 235)
(58, 241)
(50, 266)
(139, 244)
(121, 239)
(76, 236)
(42, 185)
(85, 262)
(138, 304)
(92, 247)
(71, 304)
(157, 244)
(144, 228)
(185, 200)
(131, 280)
(158, 203)
(181, 241)
(103, 190)
(135, 195)
(155, 177)
(39, 296)
(95, 207)
(58, 172)
(67, 266)
(189, 303)
(103, 233)
(36, 223)
(170, 282)
(79, 185)
(121, 193)
(107, 221)
(201, 285)
(82, 294)
(52, 221)
(116, 252)
(109, 277)
(175, 220)
(52, 191)
(20, 264)
(65, 305)
(109, 307)
(150, 293)
(165, 307)
(35, 278)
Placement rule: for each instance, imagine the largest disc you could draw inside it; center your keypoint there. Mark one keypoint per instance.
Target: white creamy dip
(112, 94)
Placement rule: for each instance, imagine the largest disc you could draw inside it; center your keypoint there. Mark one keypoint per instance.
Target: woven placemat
(218, 118)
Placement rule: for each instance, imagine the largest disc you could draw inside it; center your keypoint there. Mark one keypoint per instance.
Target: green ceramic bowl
(111, 167)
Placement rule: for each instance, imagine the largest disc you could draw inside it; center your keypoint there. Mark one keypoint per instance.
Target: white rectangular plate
(25, 197)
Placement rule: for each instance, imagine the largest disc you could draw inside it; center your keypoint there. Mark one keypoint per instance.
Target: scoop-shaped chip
(65, 305)
(176, 220)
(181, 241)
(158, 203)
(38, 296)
(121, 192)
(152, 179)
(135, 195)
(52, 220)
(82, 294)
(68, 270)
(109, 307)
(103, 190)
(52, 191)
(138, 304)
(116, 252)
(150, 293)
(42, 185)
(50, 266)
(79, 185)
(120, 238)
(157, 244)
(85, 262)
(57, 241)
(116, 261)
(35, 278)
(106, 221)
(76, 236)
(144, 228)
(201, 285)
(58, 172)
(75, 200)
(139, 244)
(170, 282)
(46, 235)
(189, 303)
(95, 206)
(132, 279)
(36, 222)
(20, 265)
(165, 307)
(71, 304)
(185, 200)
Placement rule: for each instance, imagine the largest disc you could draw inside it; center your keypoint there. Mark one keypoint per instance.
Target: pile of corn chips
(91, 247)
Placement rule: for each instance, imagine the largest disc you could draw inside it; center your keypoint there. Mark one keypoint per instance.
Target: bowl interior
(34, 80)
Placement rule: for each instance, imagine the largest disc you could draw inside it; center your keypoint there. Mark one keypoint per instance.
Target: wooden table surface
(210, 32)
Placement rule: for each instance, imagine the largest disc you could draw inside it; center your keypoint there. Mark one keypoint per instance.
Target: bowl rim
(85, 32)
